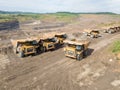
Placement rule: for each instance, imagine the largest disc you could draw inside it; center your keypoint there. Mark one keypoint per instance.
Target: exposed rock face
(9, 25)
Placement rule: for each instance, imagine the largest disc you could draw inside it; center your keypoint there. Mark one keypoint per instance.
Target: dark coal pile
(9, 25)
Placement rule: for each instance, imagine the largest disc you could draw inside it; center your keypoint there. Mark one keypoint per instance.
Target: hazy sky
(61, 5)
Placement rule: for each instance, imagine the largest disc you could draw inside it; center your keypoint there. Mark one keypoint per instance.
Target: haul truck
(47, 43)
(25, 47)
(76, 49)
(92, 33)
(111, 29)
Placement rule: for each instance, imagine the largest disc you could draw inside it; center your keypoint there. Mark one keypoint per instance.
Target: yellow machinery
(60, 38)
(111, 29)
(47, 42)
(92, 33)
(25, 47)
(76, 49)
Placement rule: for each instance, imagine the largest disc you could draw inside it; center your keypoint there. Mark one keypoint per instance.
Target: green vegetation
(65, 17)
(116, 47)
(20, 17)
(6, 17)
(59, 16)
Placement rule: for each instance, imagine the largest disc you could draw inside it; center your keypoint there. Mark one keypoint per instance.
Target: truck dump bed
(15, 42)
(85, 42)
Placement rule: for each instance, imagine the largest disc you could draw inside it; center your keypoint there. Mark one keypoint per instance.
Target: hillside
(58, 16)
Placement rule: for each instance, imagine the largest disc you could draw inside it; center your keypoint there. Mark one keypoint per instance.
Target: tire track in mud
(99, 70)
(65, 65)
(46, 66)
(52, 67)
(104, 43)
(46, 69)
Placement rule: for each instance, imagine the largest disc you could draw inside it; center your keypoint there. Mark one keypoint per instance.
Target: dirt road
(53, 71)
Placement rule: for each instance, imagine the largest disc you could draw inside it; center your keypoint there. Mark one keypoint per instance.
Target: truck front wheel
(79, 57)
(21, 54)
(110, 31)
(44, 49)
(92, 36)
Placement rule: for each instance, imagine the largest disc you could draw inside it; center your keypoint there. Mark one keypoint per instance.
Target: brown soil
(53, 71)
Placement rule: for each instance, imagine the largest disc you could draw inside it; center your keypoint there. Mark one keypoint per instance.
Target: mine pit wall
(10, 25)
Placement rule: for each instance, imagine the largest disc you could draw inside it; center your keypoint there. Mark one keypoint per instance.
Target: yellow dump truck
(76, 49)
(93, 33)
(60, 37)
(47, 42)
(111, 29)
(25, 47)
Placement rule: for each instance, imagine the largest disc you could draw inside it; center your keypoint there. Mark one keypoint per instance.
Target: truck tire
(58, 44)
(92, 36)
(110, 32)
(41, 49)
(36, 52)
(79, 57)
(105, 31)
(21, 54)
(44, 49)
